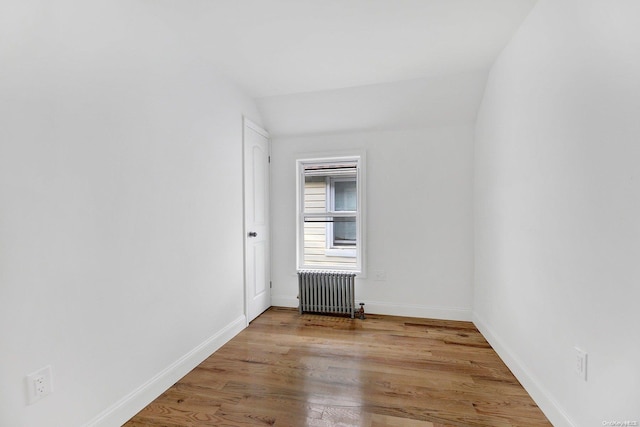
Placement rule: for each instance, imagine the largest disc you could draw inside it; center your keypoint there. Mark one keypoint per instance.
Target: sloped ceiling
(313, 65)
(348, 65)
(280, 47)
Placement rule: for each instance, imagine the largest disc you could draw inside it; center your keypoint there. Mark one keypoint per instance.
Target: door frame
(247, 123)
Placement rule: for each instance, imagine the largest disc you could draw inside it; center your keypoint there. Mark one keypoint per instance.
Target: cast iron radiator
(327, 292)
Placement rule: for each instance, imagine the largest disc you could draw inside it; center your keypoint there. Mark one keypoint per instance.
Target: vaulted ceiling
(277, 47)
(342, 65)
(312, 65)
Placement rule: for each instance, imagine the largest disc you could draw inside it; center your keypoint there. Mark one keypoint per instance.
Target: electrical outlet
(39, 384)
(581, 363)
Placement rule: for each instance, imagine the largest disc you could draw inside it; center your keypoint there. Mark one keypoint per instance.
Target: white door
(256, 220)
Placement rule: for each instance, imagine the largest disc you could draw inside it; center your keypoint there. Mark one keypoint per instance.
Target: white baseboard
(538, 393)
(131, 404)
(409, 310)
(284, 301)
(415, 310)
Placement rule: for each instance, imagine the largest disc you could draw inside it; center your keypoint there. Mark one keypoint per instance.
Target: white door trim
(255, 127)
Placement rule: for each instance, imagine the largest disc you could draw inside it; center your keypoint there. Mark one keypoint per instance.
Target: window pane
(329, 210)
(344, 232)
(317, 251)
(345, 197)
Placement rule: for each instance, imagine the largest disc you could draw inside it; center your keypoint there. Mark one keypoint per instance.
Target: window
(330, 213)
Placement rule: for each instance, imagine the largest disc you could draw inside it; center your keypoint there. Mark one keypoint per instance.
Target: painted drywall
(557, 235)
(437, 100)
(418, 218)
(121, 222)
(290, 47)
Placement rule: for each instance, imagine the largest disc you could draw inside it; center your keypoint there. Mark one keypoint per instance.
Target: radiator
(327, 292)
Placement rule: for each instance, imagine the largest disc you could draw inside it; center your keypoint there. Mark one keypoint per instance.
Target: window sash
(332, 200)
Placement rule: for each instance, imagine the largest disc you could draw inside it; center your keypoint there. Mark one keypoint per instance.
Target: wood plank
(312, 370)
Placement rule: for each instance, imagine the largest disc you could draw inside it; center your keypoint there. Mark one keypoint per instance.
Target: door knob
(253, 234)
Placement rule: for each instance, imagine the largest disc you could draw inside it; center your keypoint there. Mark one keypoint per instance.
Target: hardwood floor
(312, 370)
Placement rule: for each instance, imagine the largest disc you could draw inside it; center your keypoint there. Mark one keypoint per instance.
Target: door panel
(259, 269)
(257, 237)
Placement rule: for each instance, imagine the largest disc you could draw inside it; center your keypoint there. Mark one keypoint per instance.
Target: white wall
(121, 208)
(440, 100)
(418, 218)
(557, 235)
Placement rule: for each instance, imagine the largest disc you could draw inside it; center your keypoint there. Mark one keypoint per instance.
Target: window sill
(344, 253)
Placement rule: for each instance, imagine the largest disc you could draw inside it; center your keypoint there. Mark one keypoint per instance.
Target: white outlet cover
(581, 363)
(39, 384)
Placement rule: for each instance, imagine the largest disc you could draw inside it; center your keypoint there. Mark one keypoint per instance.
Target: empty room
(420, 213)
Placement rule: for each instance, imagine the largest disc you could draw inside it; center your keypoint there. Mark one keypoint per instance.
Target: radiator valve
(361, 311)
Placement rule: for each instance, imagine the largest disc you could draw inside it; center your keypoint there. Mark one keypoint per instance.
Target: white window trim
(358, 156)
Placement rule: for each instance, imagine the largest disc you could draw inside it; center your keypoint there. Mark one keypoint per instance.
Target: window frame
(357, 252)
